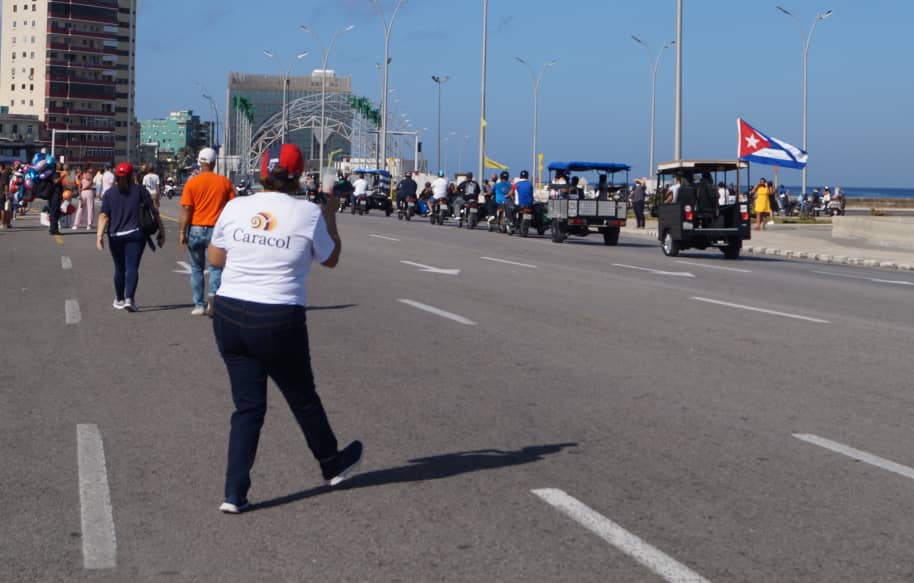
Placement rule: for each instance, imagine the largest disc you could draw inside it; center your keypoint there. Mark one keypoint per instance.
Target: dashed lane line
(510, 262)
(72, 314)
(654, 559)
(870, 279)
(760, 310)
(385, 237)
(438, 312)
(720, 267)
(58, 239)
(856, 454)
(98, 537)
(66, 263)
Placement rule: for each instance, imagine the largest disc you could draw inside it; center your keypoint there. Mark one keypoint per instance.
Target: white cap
(206, 156)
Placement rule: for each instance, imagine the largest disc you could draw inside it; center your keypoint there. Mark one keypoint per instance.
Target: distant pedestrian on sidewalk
(202, 201)
(637, 198)
(266, 243)
(119, 219)
(762, 204)
(86, 181)
(7, 196)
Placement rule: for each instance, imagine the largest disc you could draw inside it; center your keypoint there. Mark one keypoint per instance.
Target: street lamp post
(447, 140)
(677, 123)
(460, 154)
(285, 86)
(805, 42)
(387, 26)
(325, 54)
(439, 80)
(536, 93)
(481, 167)
(655, 64)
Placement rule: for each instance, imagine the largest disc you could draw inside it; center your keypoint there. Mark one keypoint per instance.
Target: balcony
(70, 32)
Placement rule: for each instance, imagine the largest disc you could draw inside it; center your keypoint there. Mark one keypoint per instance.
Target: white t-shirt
(151, 182)
(674, 191)
(107, 181)
(360, 187)
(270, 239)
(439, 188)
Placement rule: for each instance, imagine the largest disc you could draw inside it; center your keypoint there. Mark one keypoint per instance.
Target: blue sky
(741, 58)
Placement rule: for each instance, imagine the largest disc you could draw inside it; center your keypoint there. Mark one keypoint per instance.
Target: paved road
(552, 413)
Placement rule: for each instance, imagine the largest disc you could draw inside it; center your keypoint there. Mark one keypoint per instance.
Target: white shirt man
(439, 188)
(151, 183)
(360, 187)
(673, 195)
(107, 180)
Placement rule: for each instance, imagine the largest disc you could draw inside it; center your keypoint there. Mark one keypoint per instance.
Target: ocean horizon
(863, 191)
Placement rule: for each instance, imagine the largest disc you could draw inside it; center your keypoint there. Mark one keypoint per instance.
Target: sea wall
(894, 232)
(881, 203)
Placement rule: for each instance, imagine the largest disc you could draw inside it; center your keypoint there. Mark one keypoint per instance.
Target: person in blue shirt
(524, 190)
(501, 190)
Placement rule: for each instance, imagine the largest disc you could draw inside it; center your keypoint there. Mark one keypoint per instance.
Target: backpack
(148, 221)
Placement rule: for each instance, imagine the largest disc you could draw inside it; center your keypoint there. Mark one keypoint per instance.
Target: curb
(808, 255)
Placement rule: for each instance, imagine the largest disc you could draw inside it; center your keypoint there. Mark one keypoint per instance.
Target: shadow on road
(337, 307)
(430, 468)
(165, 308)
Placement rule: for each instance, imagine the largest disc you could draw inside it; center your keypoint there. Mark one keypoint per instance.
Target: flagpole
(482, 125)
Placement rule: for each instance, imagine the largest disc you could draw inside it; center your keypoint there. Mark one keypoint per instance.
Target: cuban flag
(755, 146)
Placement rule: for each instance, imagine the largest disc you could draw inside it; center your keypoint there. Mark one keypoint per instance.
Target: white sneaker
(130, 306)
(198, 311)
(118, 304)
(230, 508)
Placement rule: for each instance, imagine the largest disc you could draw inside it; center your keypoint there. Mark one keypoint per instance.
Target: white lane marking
(654, 559)
(856, 454)
(654, 271)
(384, 237)
(430, 269)
(66, 263)
(72, 313)
(99, 541)
(185, 268)
(872, 279)
(762, 310)
(714, 267)
(438, 312)
(510, 262)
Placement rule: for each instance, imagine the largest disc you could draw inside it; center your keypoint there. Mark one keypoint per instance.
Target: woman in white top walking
(265, 244)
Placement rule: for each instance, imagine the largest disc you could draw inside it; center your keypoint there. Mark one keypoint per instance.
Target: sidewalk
(811, 242)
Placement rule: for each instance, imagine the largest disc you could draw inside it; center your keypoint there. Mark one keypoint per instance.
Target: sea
(864, 191)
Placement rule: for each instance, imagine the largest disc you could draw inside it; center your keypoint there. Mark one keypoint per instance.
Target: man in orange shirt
(202, 201)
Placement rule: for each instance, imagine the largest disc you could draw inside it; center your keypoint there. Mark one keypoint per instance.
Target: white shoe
(130, 305)
(118, 304)
(74, 227)
(89, 228)
(198, 311)
(230, 508)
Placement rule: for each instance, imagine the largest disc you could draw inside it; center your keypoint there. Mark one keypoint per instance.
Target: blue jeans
(197, 242)
(256, 341)
(127, 251)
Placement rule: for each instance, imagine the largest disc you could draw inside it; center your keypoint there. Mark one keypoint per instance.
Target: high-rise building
(71, 63)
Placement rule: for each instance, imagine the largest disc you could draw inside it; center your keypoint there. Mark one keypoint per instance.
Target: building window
(13, 87)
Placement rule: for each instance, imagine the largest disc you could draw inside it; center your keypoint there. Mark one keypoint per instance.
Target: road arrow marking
(430, 269)
(655, 271)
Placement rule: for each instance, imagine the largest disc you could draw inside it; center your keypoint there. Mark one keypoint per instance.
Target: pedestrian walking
(266, 243)
(120, 220)
(152, 183)
(7, 197)
(86, 181)
(762, 204)
(637, 197)
(202, 200)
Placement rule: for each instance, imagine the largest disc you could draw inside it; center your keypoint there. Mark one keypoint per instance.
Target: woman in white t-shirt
(265, 244)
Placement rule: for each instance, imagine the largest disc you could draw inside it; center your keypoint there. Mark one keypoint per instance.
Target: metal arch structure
(304, 113)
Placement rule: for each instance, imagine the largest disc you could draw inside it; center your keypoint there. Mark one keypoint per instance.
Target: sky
(741, 58)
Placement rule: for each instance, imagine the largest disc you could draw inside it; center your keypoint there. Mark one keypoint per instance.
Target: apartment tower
(71, 63)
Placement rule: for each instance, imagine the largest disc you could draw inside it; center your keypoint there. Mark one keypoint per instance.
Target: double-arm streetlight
(655, 64)
(325, 54)
(439, 80)
(536, 93)
(805, 42)
(387, 26)
(285, 86)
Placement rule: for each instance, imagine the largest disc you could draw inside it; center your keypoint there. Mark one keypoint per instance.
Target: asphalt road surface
(568, 412)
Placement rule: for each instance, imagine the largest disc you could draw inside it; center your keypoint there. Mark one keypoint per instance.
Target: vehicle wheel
(670, 247)
(408, 216)
(472, 223)
(441, 217)
(432, 218)
(731, 251)
(611, 236)
(387, 212)
(353, 210)
(524, 228)
(490, 226)
(541, 231)
(557, 235)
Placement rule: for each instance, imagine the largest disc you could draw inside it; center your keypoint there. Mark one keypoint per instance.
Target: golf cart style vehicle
(580, 208)
(378, 192)
(700, 214)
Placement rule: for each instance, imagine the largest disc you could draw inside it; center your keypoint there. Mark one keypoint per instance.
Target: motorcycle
(469, 215)
(241, 189)
(439, 211)
(169, 191)
(835, 208)
(361, 205)
(344, 202)
(408, 209)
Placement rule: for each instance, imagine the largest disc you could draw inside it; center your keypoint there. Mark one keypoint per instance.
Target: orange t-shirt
(206, 194)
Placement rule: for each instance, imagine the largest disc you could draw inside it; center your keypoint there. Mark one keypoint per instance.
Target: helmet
(524, 174)
(124, 169)
(441, 173)
(469, 176)
(504, 175)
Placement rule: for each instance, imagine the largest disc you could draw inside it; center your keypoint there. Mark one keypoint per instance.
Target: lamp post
(447, 140)
(285, 86)
(439, 80)
(460, 154)
(805, 42)
(481, 167)
(387, 26)
(325, 54)
(536, 93)
(655, 64)
(677, 123)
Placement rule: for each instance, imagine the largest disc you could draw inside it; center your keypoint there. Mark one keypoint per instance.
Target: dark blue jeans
(127, 251)
(257, 341)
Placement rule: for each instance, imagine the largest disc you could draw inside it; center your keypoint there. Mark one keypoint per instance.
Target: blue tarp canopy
(610, 167)
(372, 171)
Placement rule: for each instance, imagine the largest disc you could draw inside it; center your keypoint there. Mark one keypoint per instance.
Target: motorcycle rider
(439, 189)
(466, 190)
(359, 188)
(523, 191)
(406, 188)
(501, 190)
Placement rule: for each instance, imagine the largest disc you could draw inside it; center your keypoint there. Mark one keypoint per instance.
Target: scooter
(439, 211)
(469, 215)
(361, 205)
(408, 209)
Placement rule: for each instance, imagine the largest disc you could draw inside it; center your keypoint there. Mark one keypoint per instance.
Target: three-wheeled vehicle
(600, 206)
(378, 190)
(701, 214)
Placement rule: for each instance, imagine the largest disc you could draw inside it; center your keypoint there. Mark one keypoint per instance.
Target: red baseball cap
(124, 169)
(287, 156)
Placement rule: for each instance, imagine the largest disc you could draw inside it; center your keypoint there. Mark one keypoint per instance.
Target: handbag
(148, 222)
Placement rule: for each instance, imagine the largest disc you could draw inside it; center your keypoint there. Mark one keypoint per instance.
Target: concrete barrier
(893, 232)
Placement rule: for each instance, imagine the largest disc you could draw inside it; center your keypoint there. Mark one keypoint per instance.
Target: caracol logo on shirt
(263, 221)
